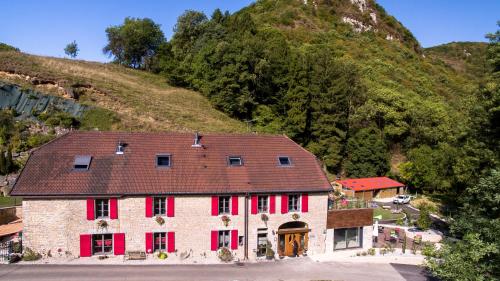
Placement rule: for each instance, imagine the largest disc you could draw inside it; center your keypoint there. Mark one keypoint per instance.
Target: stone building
(94, 193)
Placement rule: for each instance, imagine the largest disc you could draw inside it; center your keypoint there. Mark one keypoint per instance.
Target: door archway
(293, 238)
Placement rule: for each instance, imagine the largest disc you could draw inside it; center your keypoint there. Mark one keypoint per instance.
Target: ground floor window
(102, 244)
(224, 238)
(345, 238)
(261, 243)
(160, 241)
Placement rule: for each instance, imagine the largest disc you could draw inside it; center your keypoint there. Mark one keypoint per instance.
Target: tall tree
(3, 166)
(72, 49)
(134, 42)
(367, 154)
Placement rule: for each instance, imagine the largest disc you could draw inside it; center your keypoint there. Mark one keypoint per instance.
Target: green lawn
(386, 214)
(10, 201)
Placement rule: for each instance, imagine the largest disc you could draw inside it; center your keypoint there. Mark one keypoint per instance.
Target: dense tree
(135, 42)
(72, 49)
(367, 154)
(3, 163)
(477, 255)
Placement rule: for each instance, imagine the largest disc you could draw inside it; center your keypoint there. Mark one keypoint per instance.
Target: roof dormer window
(82, 162)
(235, 161)
(284, 161)
(163, 160)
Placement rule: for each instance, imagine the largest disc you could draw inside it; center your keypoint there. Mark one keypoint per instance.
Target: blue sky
(45, 27)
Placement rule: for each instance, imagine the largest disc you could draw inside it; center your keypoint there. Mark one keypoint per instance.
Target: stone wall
(56, 225)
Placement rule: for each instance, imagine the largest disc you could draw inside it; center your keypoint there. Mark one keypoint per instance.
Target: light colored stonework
(56, 224)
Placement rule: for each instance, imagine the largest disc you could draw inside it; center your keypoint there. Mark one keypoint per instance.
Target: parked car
(401, 199)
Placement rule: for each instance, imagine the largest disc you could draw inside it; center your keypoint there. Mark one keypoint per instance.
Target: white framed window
(284, 161)
(262, 203)
(261, 242)
(224, 202)
(293, 202)
(101, 208)
(159, 241)
(163, 160)
(235, 161)
(224, 238)
(82, 162)
(159, 206)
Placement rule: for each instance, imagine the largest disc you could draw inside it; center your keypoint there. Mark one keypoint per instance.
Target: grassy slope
(142, 101)
(465, 57)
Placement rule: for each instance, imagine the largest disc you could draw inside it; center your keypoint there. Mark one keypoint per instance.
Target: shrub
(162, 255)
(424, 220)
(429, 250)
(224, 254)
(30, 255)
(371, 251)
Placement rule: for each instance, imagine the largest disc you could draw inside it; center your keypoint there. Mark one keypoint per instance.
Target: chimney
(196, 142)
(120, 149)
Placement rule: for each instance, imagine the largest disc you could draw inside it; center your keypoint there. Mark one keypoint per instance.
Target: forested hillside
(343, 78)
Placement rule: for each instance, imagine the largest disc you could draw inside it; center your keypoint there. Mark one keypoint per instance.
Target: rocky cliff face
(28, 103)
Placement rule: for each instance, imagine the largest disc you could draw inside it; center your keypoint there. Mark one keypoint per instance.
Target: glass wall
(344, 238)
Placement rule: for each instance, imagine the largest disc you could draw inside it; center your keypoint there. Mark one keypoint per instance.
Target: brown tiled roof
(49, 170)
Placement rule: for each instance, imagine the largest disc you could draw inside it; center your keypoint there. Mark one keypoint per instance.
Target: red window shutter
(234, 239)
(170, 206)
(90, 209)
(272, 204)
(171, 242)
(149, 242)
(113, 208)
(234, 205)
(149, 207)
(284, 203)
(85, 245)
(214, 241)
(215, 205)
(119, 243)
(305, 203)
(253, 207)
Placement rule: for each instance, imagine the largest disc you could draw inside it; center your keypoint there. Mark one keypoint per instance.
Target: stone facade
(56, 224)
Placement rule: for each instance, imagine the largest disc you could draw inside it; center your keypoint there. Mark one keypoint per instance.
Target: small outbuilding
(369, 188)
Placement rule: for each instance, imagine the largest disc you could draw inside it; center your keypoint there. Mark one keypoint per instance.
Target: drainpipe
(246, 226)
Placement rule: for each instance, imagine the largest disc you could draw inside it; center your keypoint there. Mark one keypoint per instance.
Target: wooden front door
(287, 247)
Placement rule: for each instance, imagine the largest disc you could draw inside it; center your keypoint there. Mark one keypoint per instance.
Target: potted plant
(162, 255)
(269, 251)
(264, 218)
(160, 220)
(102, 224)
(224, 254)
(225, 219)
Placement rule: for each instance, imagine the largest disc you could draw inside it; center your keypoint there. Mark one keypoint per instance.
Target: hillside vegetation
(121, 98)
(465, 57)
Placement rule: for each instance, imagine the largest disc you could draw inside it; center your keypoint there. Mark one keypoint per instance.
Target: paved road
(300, 269)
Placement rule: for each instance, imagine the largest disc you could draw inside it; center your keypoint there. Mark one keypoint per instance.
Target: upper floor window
(101, 208)
(284, 161)
(160, 241)
(163, 160)
(224, 204)
(159, 204)
(293, 202)
(82, 162)
(224, 238)
(235, 161)
(262, 203)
